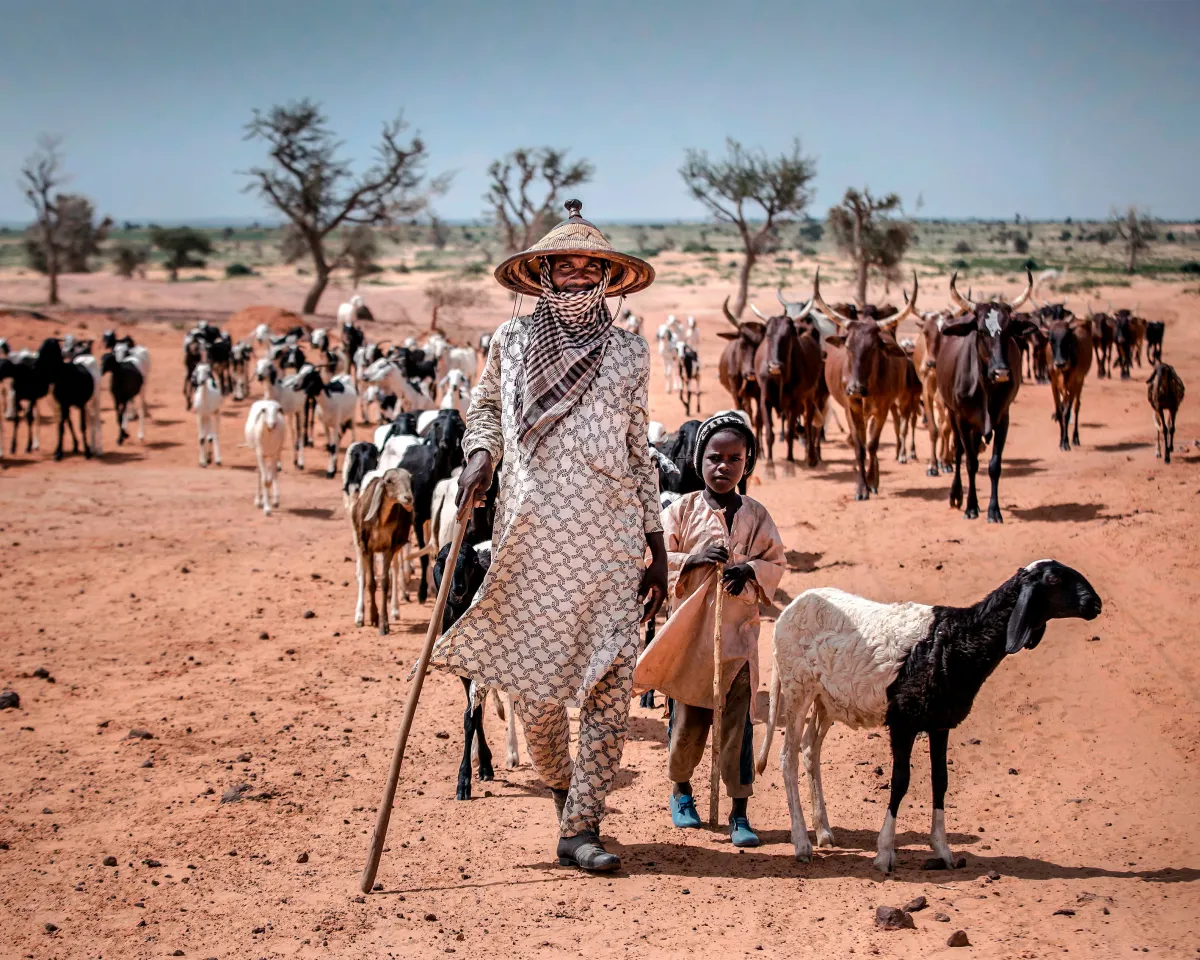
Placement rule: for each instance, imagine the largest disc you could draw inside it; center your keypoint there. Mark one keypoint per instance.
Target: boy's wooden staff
(714, 785)
(367, 881)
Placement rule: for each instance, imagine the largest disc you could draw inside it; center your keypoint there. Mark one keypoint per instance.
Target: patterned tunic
(559, 605)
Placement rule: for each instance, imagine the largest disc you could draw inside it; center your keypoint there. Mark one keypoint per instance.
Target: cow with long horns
(978, 377)
(866, 370)
(736, 370)
(788, 368)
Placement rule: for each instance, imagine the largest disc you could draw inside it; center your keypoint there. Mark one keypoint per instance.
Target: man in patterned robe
(562, 403)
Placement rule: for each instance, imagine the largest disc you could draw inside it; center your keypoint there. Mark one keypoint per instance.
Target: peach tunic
(679, 662)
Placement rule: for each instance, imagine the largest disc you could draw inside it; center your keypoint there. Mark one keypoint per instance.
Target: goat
(289, 394)
(125, 382)
(94, 431)
(206, 400)
(668, 335)
(73, 385)
(29, 385)
(687, 373)
(911, 667)
(381, 516)
(239, 365)
(266, 430)
(335, 403)
(390, 375)
(1165, 393)
(458, 391)
(466, 581)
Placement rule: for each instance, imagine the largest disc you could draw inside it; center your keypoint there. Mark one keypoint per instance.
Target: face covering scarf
(567, 335)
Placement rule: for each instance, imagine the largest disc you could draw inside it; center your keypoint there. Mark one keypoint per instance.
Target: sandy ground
(160, 600)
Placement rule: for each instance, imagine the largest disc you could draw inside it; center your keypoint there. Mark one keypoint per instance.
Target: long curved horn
(823, 306)
(1020, 301)
(788, 307)
(891, 323)
(779, 296)
(804, 312)
(729, 314)
(963, 303)
(758, 313)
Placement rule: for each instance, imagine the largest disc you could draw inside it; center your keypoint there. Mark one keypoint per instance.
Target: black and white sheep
(911, 667)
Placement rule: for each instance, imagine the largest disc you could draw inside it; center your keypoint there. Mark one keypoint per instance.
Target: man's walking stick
(714, 785)
(410, 708)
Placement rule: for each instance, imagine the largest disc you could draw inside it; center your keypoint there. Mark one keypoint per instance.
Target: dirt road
(160, 601)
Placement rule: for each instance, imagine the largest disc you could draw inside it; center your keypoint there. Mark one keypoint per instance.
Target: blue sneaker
(683, 811)
(740, 832)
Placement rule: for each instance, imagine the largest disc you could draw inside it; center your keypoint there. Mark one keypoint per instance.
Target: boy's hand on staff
(474, 481)
(653, 589)
(736, 577)
(710, 555)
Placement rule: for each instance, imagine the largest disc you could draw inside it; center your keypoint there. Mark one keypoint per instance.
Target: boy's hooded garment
(679, 662)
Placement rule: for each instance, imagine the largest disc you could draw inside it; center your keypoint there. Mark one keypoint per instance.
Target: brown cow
(1069, 355)
(1103, 331)
(1165, 393)
(978, 376)
(787, 364)
(1129, 332)
(866, 371)
(925, 351)
(736, 370)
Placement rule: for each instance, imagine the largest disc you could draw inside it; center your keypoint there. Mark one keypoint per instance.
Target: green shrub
(692, 247)
(962, 247)
(239, 270)
(959, 264)
(1191, 266)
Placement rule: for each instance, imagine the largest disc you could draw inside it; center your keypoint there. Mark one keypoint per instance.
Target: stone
(110, 861)
(1064, 912)
(915, 904)
(234, 794)
(958, 939)
(50, 927)
(264, 635)
(941, 917)
(308, 614)
(9, 700)
(993, 875)
(303, 858)
(893, 918)
(137, 733)
(41, 673)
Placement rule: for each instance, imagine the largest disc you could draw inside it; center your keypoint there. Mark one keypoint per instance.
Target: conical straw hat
(575, 236)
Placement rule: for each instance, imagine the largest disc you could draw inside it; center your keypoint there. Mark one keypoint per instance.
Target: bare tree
(778, 186)
(317, 191)
(1136, 230)
(872, 240)
(41, 177)
(452, 294)
(359, 252)
(522, 219)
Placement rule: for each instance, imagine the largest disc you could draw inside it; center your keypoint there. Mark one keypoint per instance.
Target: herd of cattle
(961, 373)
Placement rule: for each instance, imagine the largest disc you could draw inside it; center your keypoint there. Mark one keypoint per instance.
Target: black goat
(29, 386)
(469, 570)
(1154, 340)
(1165, 393)
(72, 386)
(125, 383)
(428, 462)
(680, 449)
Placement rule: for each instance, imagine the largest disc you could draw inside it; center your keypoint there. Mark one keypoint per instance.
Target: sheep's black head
(1049, 591)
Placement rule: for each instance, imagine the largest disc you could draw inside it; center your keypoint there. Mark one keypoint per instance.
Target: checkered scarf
(567, 334)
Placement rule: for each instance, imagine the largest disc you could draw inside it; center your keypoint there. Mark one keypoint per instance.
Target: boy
(715, 526)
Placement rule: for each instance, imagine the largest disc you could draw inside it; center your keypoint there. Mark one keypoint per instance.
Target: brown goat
(382, 516)
(1165, 393)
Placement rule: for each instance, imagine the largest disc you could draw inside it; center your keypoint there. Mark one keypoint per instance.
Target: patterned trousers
(603, 723)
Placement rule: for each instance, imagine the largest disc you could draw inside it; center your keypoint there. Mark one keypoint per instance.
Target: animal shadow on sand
(922, 493)
(162, 445)
(315, 513)
(1123, 447)
(1061, 513)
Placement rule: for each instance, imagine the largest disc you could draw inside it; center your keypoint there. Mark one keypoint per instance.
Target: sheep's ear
(1025, 625)
(374, 498)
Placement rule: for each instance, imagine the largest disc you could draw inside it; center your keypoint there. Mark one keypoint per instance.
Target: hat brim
(521, 273)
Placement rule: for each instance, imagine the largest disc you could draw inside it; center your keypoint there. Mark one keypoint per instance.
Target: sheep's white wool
(1036, 564)
(393, 451)
(656, 433)
(849, 648)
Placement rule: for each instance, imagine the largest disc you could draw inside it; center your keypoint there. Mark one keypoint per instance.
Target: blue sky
(982, 109)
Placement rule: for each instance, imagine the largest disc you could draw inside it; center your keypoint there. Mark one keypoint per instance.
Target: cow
(1165, 393)
(906, 413)
(1068, 353)
(978, 377)
(866, 370)
(736, 370)
(787, 366)
(1154, 340)
(1103, 332)
(925, 351)
(1129, 331)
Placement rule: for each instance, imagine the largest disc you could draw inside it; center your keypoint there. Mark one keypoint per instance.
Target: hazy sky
(984, 109)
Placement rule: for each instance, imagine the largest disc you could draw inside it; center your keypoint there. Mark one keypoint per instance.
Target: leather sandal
(585, 851)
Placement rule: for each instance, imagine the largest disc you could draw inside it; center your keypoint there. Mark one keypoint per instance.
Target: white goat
(139, 356)
(291, 398)
(668, 335)
(387, 374)
(206, 401)
(458, 391)
(335, 408)
(266, 430)
(95, 433)
(463, 359)
(348, 311)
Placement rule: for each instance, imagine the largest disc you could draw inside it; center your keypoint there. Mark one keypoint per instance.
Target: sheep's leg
(58, 453)
(298, 431)
(141, 415)
(360, 560)
(940, 778)
(369, 587)
(482, 751)
(273, 470)
(463, 789)
(260, 483)
(83, 431)
(64, 414)
(789, 765)
(814, 735)
(388, 558)
(1159, 425)
(1168, 434)
(215, 437)
(200, 432)
(512, 758)
(885, 849)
